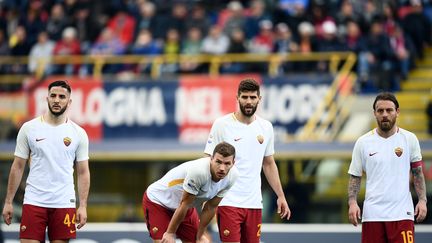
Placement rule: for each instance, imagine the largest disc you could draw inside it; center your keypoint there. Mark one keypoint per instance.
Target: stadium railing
(324, 125)
(156, 61)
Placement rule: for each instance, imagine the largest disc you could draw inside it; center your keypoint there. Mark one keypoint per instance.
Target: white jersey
(252, 142)
(52, 151)
(193, 177)
(387, 164)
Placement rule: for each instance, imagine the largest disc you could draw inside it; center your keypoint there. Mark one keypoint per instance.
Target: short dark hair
(225, 149)
(247, 85)
(60, 83)
(386, 96)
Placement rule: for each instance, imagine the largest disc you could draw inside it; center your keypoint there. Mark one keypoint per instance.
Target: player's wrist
(8, 201)
(423, 199)
(352, 201)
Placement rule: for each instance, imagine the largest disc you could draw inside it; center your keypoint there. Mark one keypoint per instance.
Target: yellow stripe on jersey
(233, 116)
(175, 182)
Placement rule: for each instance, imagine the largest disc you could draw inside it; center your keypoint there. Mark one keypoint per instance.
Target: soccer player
(239, 215)
(52, 145)
(386, 155)
(170, 204)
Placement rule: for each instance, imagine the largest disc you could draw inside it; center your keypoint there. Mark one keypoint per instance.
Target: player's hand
(282, 208)
(7, 213)
(81, 217)
(354, 213)
(168, 238)
(420, 210)
(203, 239)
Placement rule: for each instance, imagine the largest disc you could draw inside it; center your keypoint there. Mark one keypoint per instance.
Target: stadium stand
(415, 96)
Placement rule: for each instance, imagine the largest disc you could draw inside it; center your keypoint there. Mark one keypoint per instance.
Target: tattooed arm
(354, 213)
(420, 188)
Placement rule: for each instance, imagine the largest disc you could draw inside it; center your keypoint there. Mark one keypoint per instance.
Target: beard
(57, 113)
(248, 113)
(387, 125)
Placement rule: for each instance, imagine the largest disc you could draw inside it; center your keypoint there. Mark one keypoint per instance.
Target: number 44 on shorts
(67, 220)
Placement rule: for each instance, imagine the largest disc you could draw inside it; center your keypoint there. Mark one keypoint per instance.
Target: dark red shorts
(394, 231)
(158, 218)
(239, 224)
(35, 220)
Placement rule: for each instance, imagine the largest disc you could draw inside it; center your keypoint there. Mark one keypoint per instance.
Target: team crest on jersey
(398, 151)
(260, 139)
(67, 141)
(226, 232)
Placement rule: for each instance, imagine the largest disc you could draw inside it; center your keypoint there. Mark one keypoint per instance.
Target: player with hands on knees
(182, 203)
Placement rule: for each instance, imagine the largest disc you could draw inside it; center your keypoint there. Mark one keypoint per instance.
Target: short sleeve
(22, 148)
(270, 146)
(414, 144)
(356, 168)
(82, 152)
(193, 181)
(214, 138)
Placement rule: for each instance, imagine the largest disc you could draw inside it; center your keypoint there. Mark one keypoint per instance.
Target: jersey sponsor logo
(40, 139)
(409, 213)
(260, 139)
(210, 139)
(192, 184)
(372, 154)
(237, 139)
(398, 151)
(67, 141)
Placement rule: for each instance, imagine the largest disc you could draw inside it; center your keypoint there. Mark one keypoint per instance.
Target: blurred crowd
(388, 36)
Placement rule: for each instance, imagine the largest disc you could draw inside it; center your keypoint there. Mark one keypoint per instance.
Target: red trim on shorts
(416, 164)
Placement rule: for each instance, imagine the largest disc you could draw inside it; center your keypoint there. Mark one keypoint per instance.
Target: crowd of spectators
(387, 36)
